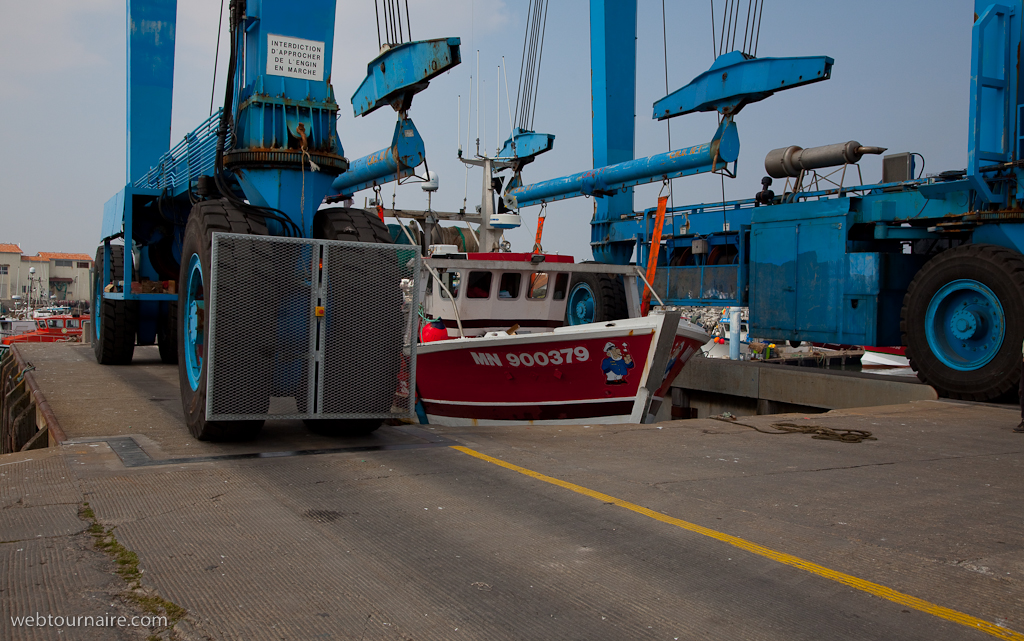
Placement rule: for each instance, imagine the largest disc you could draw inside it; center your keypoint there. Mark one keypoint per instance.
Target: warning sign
(295, 57)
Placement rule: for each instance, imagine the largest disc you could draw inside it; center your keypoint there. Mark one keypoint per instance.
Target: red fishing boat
(500, 353)
(51, 329)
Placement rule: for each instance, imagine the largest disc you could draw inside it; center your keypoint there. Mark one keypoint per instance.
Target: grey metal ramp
(715, 383)
(438, 543)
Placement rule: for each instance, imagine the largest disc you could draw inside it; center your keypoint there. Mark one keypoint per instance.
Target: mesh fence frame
(271, 357)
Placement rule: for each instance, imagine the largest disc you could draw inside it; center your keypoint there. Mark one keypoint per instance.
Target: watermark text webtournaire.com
(38, 620)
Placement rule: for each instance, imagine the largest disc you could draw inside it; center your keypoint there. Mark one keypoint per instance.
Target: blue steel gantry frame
(733, 81)
(613, 87)
(283, 125)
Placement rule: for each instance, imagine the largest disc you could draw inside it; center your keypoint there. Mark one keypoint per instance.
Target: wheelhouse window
(508, 288)
(561, 286)
(451, 280)
(55, 323)
(73, 323)
(538, 286)
(478, 285)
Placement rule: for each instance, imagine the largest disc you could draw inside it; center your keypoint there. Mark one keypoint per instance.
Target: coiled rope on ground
(819, 432)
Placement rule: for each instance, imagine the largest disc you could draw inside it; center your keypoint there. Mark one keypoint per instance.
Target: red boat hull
(557, 377)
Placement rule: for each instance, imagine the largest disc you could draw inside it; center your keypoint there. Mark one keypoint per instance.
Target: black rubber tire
(206, 218)
(167, 334)
(1002, 271)
(356, 225)
(344, 223)
(116, 321)
(609, 295)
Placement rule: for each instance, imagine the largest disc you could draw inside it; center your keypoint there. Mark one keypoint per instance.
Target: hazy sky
(900, 80)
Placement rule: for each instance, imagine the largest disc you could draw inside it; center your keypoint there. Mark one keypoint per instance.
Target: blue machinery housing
(283, 151)
(824, 266)
(828, 266)
(931, 263)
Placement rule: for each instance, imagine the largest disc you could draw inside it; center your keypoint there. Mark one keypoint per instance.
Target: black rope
(522, 64)
(712, 2)
(398, 17)
(408, 20)
(388, 31)
(216, 55)
(394, 32)
(746, 27)
(536, 29)
(376, 12)
(723, 38)
(668, 121)
(757, 39)
(735, 22)
(394, 23)
(532, 62)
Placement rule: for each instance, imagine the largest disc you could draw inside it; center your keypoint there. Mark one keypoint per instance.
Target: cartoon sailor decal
(616, 365)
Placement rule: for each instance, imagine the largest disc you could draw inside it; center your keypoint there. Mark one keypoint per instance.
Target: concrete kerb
(825, 389)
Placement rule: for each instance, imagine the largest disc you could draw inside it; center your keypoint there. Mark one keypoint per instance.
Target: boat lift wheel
(206, 218)
(594, 298)
(963, 321)
(114, 321)
(358, 225)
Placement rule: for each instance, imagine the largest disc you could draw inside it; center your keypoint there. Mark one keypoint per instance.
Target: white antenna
(497, 118)
(469, 110)
(469, 118)
(458, 130)
(478, 104)
(508, 105)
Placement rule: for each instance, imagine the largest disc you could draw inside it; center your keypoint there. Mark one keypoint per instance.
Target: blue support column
(151, 31)
(613, 85)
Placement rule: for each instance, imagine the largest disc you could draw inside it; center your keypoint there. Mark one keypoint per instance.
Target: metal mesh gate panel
(303, 328)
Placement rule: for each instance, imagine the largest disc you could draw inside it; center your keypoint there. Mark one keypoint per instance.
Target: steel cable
(757, 39)
(747, 25)
(540, 56)
(529, 70)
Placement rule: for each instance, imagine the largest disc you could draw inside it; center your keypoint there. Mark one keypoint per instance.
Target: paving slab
(401, 536)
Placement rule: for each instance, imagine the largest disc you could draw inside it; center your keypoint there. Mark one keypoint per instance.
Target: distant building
(68, 275)
(10, 263)
(58, 276)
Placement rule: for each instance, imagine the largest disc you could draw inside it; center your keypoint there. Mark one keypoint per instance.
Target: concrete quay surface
(695, 529)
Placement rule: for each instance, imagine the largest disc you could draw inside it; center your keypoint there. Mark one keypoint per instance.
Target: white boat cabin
(495, 291)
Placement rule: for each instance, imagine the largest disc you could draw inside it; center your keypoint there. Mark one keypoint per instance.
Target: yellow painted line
(787, 559)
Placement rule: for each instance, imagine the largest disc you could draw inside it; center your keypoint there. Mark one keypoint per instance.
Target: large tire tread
(609, 295)
(206, 218)
(118, 319)
(1000, 376)
(167, 335)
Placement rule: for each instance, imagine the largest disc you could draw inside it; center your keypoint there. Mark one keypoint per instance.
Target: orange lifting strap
(537, 249)
(652, 255)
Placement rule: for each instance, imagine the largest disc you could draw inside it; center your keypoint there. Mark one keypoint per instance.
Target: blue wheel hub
(195, 321)
(580, 308)
(965, 325)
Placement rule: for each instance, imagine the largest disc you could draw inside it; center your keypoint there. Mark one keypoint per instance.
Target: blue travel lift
(262, 164)
(931, 263)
